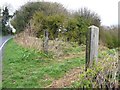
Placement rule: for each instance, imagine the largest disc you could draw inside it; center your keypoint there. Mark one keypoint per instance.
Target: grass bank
(28, 68)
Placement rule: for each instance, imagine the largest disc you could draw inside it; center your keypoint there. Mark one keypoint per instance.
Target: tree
(109, 36)
(5, 18)
(5, 15)
(26, 12)
(40, 16)
(52, 23)
(85, 18)
(72, 29)
(87, 14)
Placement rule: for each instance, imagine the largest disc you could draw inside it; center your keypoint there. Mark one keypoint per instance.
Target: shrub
(25, 13)
(109, 36)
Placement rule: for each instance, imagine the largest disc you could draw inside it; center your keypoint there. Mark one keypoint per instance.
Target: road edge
(5, 43)
(1, 60)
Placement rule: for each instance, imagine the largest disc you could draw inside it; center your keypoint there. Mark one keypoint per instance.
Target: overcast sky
(106, 9)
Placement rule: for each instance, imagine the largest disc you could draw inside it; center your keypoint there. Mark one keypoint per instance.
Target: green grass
(25, 68)
(74, 50)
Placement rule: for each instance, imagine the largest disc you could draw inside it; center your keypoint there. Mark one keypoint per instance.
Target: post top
(93, 26)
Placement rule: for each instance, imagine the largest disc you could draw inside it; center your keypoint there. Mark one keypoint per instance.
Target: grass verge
(27, 68)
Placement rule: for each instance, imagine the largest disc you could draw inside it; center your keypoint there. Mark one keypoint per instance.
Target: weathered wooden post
(92, 45)
(45, 41)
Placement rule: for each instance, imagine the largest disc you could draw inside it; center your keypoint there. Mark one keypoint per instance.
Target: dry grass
(55, 47)
(68, 79)
(28, 41)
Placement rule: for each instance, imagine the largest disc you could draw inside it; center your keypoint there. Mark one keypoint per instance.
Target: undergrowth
(103, 74)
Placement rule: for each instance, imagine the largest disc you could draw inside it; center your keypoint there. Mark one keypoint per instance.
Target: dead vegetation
(68, 79)
(58, 48)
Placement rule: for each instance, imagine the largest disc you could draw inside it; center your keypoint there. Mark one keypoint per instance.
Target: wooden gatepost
(45, 42)
(92, 40)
